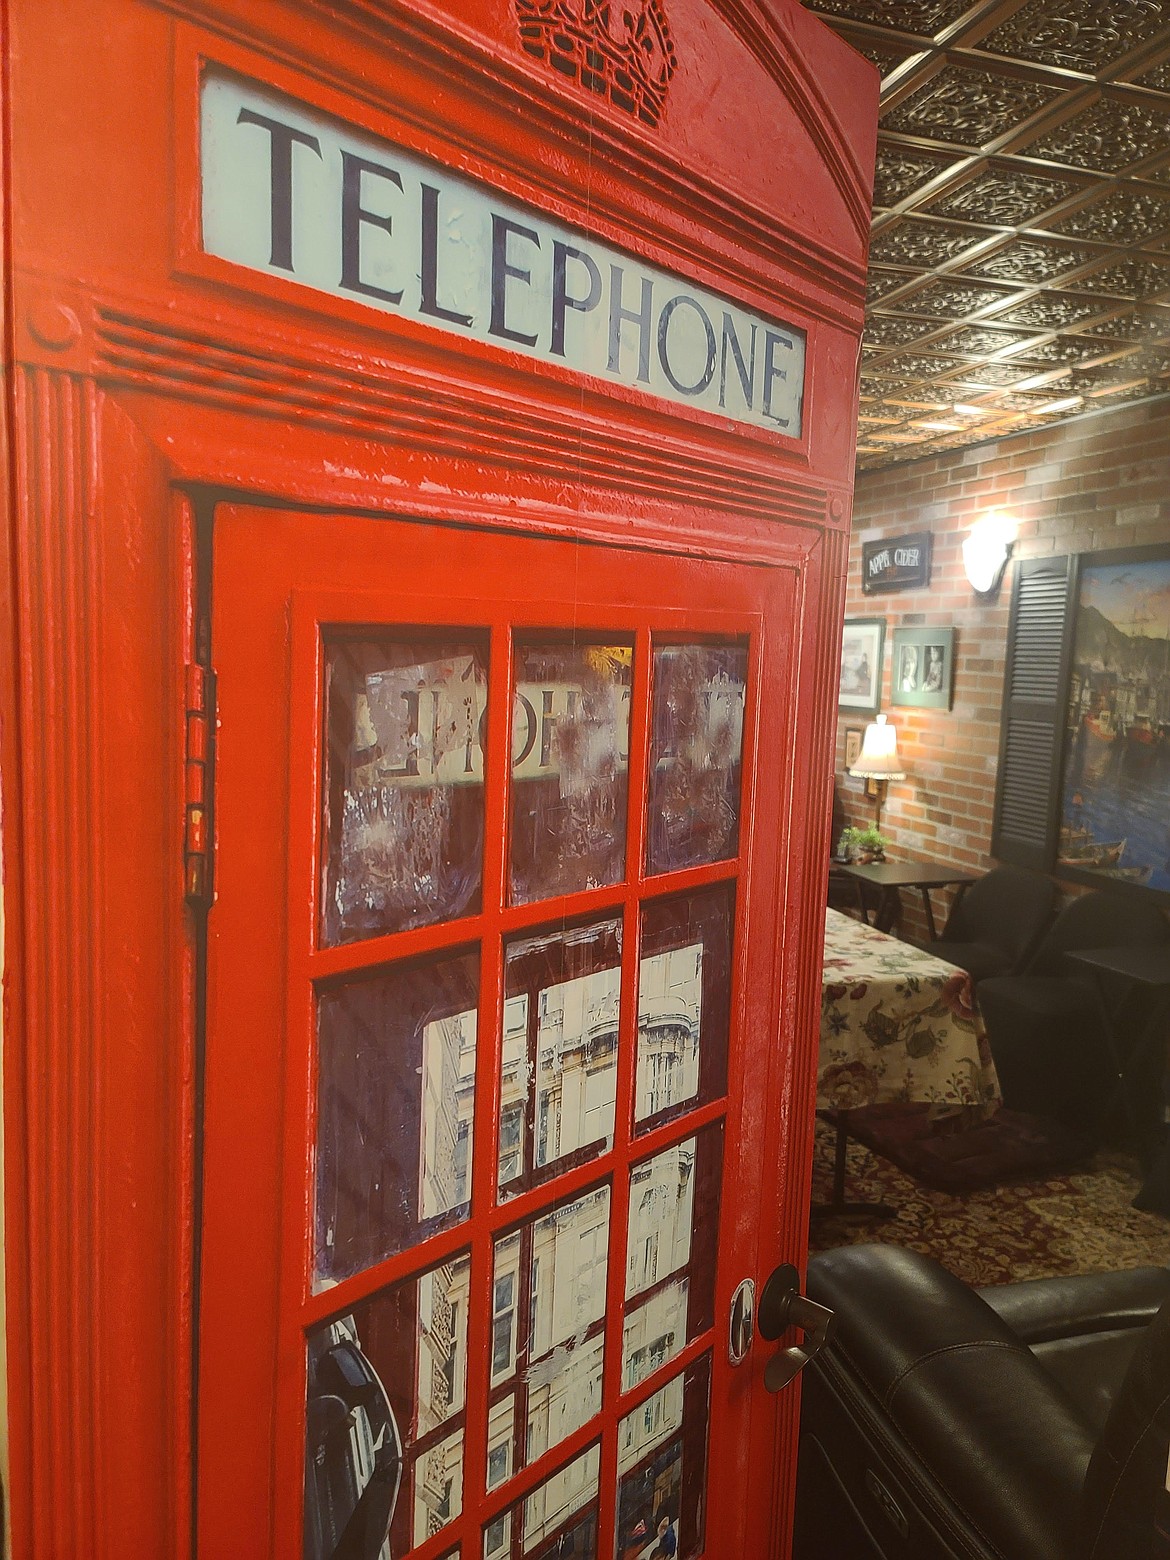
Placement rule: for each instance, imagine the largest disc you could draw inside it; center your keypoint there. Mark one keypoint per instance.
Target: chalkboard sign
(897, 563)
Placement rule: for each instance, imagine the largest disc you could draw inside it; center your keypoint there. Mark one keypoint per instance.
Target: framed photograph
(1115, 791)
(923, 672)
(862, 647)
(852, 746)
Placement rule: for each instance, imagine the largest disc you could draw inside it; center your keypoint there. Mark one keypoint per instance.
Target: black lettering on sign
(562, 299)
(354, 216)
(430, 262)
(282, 138)
(664, 320)
(746, 372)
(502, 230)
(639, 317)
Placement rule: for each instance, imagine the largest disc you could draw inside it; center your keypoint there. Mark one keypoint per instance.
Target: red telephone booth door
(490, 1061)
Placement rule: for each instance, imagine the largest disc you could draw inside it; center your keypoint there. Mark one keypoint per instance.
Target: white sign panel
(291, 193)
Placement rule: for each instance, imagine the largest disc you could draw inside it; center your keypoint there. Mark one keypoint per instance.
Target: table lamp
(878, 762)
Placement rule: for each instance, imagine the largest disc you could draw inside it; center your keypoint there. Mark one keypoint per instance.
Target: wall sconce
(878, 763)
(986, 552)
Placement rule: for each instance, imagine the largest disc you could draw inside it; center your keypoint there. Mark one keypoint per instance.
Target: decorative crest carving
(618, 49)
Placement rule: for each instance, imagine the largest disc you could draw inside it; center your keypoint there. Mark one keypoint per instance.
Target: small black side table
(888, 877)
(1148, 968)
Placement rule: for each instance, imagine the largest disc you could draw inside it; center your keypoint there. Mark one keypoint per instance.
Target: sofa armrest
(1002, 1446)
(1040, 1310)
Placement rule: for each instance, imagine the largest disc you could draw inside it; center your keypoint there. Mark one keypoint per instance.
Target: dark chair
(1028, 1421)
(995, 926)
(1044, 1027)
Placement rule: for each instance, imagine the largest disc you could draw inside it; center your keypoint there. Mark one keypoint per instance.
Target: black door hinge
(199, 785)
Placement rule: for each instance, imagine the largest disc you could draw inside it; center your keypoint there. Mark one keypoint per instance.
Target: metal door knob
(782, 1306)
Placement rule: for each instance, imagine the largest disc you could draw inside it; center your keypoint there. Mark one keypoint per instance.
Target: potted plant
(867, 844)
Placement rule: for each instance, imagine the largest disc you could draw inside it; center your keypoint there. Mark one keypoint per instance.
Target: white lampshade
(878, 759)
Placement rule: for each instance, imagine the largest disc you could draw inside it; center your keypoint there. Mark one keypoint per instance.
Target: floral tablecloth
(897, 1024)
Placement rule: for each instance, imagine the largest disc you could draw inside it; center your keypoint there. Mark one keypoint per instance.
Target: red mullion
(619, 1217)
(579, 906)
(411, 1263)
(677, 1365)
(525, 1480)
(685, 880)
(390, 948)
(439, 1544)
(488, 1083)
(306, 696)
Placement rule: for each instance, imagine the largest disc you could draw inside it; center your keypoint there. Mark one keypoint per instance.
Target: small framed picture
(923, 673)
(862, 647)
(852, 746)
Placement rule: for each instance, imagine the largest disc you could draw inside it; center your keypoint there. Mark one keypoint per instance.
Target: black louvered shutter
(1032, 729)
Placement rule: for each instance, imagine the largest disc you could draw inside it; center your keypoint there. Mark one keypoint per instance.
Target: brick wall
(1097, 482)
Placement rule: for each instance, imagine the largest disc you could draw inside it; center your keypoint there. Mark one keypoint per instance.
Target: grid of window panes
(408, 791)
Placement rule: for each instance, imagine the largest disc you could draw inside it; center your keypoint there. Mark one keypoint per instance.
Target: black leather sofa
(1026, 1422)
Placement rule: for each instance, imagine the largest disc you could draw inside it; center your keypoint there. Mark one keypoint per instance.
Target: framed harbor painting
(862, 646)
(1115, 792)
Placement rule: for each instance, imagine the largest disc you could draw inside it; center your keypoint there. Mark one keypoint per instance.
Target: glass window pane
(385, 1416)
(395, 1107)
(662, 1470)
(684, 1003)
(671, 1251)
(558, 1521)
(570, 757)
(562, 993)
(548, 1328)
(403, 826)
(696, 752)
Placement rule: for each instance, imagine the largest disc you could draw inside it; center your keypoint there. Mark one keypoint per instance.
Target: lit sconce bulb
(987, 550)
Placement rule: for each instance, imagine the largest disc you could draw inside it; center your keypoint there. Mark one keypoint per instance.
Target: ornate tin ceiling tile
(1052, 311)
(1029, 261)
(880, 283)
(913, 242)
(1006, 197)
(994, 374)
(1150, 326)
(1077, 34)
(892, 330)
(886, 59)
(923, 17)
(1127, 216)
(901, 171)
(981, 341)
(877, 388)
(1110, 135)
(1134, 277)
(923, 367)
(1157, 78)
(952, 299)
(968, 107)
(1153, 363)
(1062, 349)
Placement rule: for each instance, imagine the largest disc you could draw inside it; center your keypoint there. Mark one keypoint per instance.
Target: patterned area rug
(1079, 1223)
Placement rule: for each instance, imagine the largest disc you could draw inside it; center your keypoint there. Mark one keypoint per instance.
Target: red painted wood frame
(265, 960)
(146, 383)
